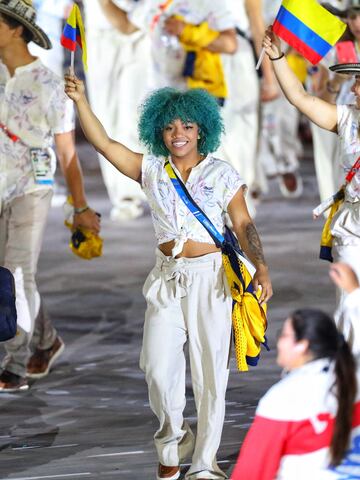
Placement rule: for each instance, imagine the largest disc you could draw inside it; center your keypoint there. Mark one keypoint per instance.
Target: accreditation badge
(41, 161)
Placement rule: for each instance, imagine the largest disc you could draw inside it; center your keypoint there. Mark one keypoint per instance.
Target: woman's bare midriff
(191, 249)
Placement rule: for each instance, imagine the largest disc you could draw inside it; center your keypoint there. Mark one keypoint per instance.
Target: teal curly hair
(168, 104)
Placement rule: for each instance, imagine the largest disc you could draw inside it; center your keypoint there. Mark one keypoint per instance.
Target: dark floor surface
(90, 418)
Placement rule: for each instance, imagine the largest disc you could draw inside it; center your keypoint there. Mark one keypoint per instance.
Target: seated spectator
(307, 422)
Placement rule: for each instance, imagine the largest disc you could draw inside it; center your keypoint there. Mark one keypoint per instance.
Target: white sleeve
(343, 115)
(232, 183)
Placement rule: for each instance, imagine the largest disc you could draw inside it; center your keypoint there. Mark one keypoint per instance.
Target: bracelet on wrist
(277, 58)
(330, 89)
(81, 209)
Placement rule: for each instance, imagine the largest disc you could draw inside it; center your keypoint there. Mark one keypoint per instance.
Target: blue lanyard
(191, 205)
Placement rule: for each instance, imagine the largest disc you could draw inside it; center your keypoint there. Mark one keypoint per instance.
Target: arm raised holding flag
(124, 159)
(340, 239)
(323, 114)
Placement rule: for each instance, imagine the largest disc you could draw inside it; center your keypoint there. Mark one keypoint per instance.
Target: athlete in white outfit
(241, 109)
(340, 119)
(116, 83)
(188, 301)
(279, 146)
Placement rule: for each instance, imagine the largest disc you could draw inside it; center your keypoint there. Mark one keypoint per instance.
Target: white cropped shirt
(212, 184)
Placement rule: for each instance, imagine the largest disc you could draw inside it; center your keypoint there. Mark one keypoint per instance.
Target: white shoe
(126, 210)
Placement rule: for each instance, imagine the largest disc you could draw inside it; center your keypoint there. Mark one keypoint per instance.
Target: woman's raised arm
(124, 159)
(322, 113)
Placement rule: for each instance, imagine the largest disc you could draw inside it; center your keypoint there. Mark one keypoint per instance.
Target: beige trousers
(22, 224)
(188, 302)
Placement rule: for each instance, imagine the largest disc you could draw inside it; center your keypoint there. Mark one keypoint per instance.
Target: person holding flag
(344, 224)
(34, 114)
(188, 298)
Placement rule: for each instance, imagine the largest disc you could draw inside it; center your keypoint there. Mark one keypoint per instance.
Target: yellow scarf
(326, 236)
(207, 71)
(248, 316)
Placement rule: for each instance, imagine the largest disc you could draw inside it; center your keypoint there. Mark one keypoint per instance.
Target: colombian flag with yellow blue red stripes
(308, 27)
(74, 33)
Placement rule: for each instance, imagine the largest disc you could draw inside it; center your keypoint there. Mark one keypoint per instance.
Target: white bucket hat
(24, 12)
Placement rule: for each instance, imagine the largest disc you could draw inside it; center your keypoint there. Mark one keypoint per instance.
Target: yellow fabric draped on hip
(248, 316)
(326, 236)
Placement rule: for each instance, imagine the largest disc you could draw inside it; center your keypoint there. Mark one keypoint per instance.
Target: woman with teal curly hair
(188, 300)
(168, 104)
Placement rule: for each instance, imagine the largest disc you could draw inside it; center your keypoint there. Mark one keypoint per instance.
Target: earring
(199, 136)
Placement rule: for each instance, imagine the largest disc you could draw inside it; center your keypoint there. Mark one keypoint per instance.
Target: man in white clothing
(116, 80)
(160, 20)
(241, 110)
(34, 113)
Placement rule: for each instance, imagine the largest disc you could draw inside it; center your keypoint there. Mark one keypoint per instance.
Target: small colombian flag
(74, 33)
(308, 27)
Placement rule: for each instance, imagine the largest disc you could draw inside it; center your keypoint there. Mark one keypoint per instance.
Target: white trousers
(279, 142)
(188, 301)
(241, 113)
(116, 81)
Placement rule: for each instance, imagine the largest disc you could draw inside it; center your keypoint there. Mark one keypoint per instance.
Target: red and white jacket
(290, 436)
